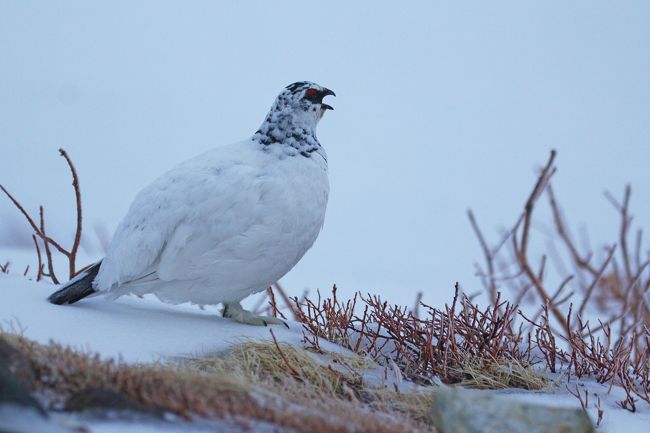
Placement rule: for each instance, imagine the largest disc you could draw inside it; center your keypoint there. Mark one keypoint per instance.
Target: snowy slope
(138, 330)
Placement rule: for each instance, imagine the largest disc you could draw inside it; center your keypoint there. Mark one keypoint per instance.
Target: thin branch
(597, 277)
(48, 253)
(623, 209)
(39, 274)
(489, 258)
(564, 234)
(625, 225)
(77, 192)
(286, 299)
(283, 356)
(416, 306)
(542, 182)
(520, 248)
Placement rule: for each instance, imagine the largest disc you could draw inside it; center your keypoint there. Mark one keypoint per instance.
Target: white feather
(218, 227)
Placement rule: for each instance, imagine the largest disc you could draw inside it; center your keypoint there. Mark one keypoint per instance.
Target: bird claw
(237, 313)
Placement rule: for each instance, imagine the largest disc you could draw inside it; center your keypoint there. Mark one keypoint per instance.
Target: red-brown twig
(286, 299)
(46, 245)
(274, 306)
(521, 248)
(284, 357)
(487, 254)
(564, 234)
(39, 273)
(39, 230)
(72, 255)
(597, 276)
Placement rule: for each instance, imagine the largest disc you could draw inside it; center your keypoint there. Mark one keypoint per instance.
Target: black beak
(323, 93)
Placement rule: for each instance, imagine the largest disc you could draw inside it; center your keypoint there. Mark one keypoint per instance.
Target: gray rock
(100, 400)
(457, 410)
(17, 363)
(19, 411)
(14, 392)
(16, 379)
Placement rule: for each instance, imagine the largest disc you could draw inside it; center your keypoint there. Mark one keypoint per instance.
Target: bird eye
(311, 92)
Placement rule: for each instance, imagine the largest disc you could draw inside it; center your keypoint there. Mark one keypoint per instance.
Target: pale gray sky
(440, 107)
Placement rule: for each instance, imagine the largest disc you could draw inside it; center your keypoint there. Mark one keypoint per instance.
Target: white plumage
(229, 222)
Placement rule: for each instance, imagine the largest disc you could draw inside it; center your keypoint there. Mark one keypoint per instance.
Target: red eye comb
(311, 92)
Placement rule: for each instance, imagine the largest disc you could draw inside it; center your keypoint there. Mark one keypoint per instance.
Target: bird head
(303, 103)
(293, 118)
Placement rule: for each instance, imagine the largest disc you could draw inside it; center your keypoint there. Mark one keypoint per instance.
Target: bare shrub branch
(39, 230)
(454, 342)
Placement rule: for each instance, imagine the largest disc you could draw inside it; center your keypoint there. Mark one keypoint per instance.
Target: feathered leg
(234, 310)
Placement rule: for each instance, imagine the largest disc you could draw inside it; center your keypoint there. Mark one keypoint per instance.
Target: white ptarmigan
(227, 223)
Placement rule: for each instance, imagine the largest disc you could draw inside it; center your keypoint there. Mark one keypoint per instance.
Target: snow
(158, 426)
(147, 330)
(134, 329)
(18, 419)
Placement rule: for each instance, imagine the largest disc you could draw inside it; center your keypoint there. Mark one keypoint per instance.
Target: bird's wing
(202, 198)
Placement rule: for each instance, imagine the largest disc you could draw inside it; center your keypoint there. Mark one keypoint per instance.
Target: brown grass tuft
(249, 383)
(477, 373)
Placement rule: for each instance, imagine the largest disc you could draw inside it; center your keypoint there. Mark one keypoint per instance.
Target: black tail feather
(77, 288)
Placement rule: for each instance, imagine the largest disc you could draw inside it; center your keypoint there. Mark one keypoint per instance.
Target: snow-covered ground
(14, 419)
(146, 330)
(135, 329)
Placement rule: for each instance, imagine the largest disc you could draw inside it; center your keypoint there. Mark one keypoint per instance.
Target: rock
(458, 410)
(13, 392)
(17, 378)
(17, 363)
(98, 399)
(19, 411)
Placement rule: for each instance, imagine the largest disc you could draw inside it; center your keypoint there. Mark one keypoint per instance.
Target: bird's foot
(237, 313)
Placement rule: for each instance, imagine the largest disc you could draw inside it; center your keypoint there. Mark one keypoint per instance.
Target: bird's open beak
(323, 93)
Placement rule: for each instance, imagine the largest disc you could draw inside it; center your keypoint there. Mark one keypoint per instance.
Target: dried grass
(298, 375)
(250, 383)
(477, 373)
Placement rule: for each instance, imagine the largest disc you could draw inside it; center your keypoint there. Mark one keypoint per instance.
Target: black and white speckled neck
(291, 122)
